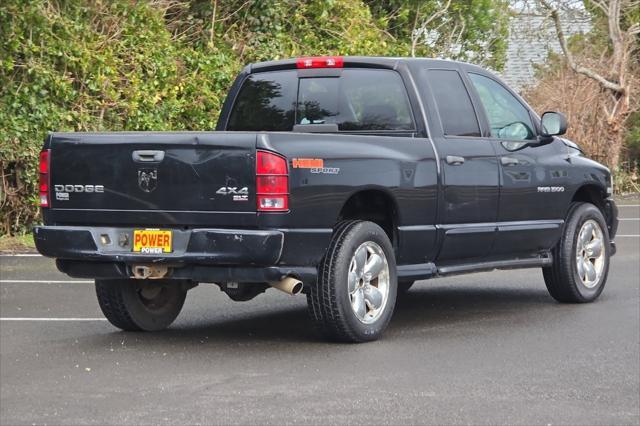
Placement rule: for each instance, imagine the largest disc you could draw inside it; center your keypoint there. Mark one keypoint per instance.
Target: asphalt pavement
(488, 348)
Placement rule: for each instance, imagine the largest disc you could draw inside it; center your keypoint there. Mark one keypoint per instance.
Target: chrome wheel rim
(590, 253)
(368, 282)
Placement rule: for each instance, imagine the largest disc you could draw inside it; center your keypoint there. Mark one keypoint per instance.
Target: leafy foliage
(107, 65)
(470, 30)
(586, 103)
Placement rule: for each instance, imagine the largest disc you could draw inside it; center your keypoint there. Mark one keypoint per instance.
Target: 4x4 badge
(147, 179)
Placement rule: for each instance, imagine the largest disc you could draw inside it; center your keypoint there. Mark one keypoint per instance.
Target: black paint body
(486, 212)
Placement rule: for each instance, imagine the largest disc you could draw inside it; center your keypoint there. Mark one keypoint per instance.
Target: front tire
(140, 305)
(581, 257)
(355, 295)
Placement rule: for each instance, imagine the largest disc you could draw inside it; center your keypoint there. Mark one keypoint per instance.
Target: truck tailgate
(148, 171)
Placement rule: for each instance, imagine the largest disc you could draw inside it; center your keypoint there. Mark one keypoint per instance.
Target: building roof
(531, 38)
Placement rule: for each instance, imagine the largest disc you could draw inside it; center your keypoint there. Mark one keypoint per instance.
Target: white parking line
(629, 218)
(45, 282)
(628, 205)
(21, 255)
(628, 236)
(52, 319)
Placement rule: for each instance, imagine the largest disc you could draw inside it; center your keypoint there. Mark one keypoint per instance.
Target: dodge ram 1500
(344, 178)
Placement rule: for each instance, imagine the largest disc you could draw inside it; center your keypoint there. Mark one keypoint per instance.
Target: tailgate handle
(147, 156)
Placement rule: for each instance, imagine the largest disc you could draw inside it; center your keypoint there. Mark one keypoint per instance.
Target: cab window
(454, 104)
(357, 100)
(508, 118)
(266, 102)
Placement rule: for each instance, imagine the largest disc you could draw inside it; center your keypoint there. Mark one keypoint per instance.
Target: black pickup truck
(344, 178)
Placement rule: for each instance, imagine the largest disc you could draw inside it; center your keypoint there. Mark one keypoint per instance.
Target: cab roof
(351, 62)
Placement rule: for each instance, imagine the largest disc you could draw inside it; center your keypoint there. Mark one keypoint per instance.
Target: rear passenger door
(469, 169)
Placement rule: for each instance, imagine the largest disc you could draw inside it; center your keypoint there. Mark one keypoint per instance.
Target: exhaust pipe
(150, 272)
(288, 285)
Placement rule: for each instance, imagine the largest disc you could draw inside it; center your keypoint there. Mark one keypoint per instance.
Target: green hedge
(108, 67)
(80, 65)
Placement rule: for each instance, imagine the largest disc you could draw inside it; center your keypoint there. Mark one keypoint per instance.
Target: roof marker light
(320, 62)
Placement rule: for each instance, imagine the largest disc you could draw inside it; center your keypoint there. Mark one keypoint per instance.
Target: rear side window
(454, 104)
(265, 102)
(358, 100)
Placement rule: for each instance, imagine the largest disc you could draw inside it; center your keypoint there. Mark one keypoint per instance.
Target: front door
(532, 176)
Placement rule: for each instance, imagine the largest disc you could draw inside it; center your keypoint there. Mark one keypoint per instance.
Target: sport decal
(315, 166)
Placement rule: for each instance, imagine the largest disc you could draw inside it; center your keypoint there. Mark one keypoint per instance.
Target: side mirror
(553, 124)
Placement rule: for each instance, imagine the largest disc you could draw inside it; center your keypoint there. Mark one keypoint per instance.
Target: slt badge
(239, 194)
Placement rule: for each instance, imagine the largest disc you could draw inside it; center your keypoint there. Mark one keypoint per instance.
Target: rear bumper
(203, 246)
(204, 255)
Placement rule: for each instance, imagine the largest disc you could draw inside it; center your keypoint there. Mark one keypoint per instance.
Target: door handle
(509, 161)
(147, 156)
(454, 160)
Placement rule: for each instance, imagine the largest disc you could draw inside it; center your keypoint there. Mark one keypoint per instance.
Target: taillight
(320, 62)
(45, 162)
(272, 182)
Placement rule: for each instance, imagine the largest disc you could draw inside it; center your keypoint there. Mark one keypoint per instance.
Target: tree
(614, 71)
(470, 30)
(143, 65)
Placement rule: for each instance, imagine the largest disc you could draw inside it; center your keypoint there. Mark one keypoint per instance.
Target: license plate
(152, 241)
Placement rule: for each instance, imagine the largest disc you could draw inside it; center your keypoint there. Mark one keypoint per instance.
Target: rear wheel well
(374, 206)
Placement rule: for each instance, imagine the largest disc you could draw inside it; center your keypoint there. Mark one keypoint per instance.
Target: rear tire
(140, 305)
(355, 295)
(581, 257)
